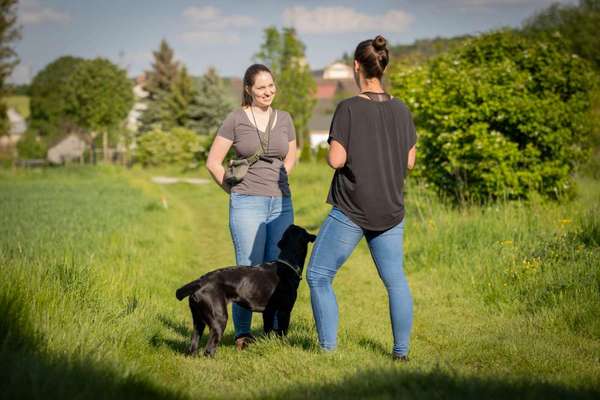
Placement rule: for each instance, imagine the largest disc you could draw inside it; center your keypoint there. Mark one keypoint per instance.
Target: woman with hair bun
(372, 147)
(260, 205)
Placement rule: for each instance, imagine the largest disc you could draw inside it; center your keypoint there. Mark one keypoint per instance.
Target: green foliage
(180, 147)
(271, 50)
(170, 90)
(9, 32)
(501, 117)
(422, 50)
(31, 147)
(210, 106)
(99, 94)
(296, 87)
(20, 103)
(177, 102)
(49, 95)
(577, 25)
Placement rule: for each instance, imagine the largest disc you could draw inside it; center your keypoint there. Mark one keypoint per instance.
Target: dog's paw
(209, 353)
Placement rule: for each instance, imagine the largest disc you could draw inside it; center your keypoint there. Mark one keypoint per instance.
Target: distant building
(334, 83)
(139, 106)
(17, 128)
(338, 71)
(68, 148)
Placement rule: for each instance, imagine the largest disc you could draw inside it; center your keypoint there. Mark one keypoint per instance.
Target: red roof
(326, 90)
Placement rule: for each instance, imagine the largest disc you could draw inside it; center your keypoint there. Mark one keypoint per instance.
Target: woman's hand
(214, 161)
(290, 158)
(337, 155)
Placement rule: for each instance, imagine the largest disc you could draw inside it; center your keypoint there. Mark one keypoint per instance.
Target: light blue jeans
(256, 223)
(337, 239)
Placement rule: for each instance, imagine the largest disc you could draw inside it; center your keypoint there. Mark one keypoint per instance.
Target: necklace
(266, 129)
(254, 118)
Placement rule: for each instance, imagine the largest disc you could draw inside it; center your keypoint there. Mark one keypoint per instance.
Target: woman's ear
(356, 66)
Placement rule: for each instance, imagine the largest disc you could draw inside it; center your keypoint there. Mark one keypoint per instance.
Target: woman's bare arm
(337, 155)
(214, 162)
(290, 158)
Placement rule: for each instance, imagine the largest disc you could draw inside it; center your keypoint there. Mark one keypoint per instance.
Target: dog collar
(295, 269)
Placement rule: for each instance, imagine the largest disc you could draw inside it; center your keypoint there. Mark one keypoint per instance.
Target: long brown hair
(249, 78)
(373, 56)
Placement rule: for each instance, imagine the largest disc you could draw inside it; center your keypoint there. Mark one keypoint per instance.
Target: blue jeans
(256, 223)
(337, 239)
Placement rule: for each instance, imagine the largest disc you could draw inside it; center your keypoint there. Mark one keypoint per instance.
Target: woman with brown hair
(372, 147)
(260, 204)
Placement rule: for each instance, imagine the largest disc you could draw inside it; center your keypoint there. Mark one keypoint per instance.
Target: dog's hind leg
(216, 322)
(198, 328)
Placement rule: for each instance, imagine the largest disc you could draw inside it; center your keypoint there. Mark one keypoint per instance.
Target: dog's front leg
(268, 319)
(283, 320)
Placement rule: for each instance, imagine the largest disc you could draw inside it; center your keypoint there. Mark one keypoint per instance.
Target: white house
(70, 147)
(133, 118)
(338, 70)
(18, 126)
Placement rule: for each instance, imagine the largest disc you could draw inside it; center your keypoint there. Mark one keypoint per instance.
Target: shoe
(399, 358)
(242, 341)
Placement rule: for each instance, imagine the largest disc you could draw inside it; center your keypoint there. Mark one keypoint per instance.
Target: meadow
(506, 296)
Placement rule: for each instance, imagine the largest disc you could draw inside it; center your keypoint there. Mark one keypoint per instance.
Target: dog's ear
(283, 242)
(311, 238)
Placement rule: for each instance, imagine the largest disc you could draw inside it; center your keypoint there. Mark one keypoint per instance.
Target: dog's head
(294, 245)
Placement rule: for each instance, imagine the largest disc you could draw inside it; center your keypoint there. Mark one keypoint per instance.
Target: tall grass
(506, 296)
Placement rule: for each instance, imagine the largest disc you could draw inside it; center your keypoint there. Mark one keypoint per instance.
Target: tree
(99, 96)
(501, 117)
(271, 50)
(177, 102)
(49, 95)
(161, 79)
(577, 25)
(295, 85)
(211, 105)
(9, 32)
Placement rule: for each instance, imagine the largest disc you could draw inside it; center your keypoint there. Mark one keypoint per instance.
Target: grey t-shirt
(263, 178)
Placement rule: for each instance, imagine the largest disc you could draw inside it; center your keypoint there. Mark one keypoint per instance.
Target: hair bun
(379, 43)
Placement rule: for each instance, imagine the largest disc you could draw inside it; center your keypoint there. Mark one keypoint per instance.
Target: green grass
(506, 297)
(19, 103)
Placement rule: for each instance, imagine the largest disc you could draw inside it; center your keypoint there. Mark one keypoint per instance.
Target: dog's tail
(188, 289)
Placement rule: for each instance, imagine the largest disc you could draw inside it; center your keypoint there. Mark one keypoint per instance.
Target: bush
(31, 147)
(501, 117)
(180, 147)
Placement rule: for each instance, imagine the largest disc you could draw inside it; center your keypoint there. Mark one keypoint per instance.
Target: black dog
(270, 288)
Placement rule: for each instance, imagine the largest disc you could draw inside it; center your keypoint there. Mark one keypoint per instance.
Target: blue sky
(225, 34)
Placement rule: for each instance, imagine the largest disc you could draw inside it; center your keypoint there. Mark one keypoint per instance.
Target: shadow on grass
(27, 372)
(374, 346)
(182, 343)
(394, 383)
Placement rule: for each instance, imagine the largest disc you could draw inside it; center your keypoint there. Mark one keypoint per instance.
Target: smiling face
(263, 91)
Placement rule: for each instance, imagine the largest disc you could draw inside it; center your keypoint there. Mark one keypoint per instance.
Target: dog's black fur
(270, 288)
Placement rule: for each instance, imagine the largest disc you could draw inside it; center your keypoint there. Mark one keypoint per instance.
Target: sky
(226, 34)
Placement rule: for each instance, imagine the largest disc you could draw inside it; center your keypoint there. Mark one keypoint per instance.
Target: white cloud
(495, 4)
(340, 19)
(208, 26)
(209, 17)
(33, 12)
(210, 37)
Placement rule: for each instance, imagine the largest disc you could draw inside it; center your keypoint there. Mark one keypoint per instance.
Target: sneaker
(399, 358)
(242, 341)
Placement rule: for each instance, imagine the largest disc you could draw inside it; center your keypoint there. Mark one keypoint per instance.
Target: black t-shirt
(377, 137)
